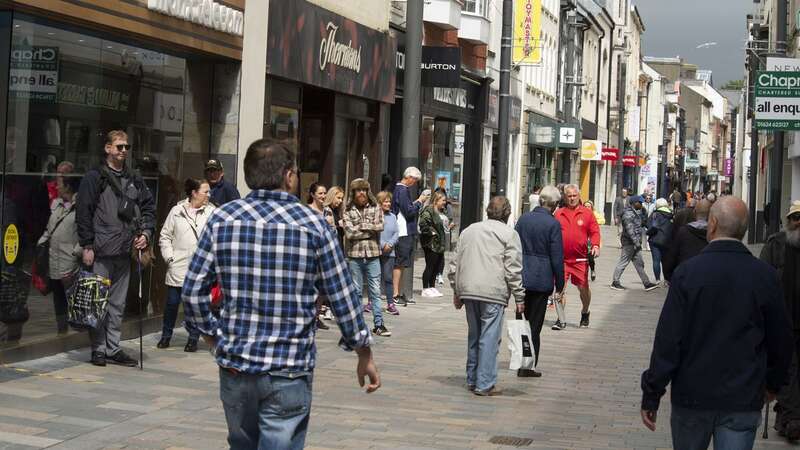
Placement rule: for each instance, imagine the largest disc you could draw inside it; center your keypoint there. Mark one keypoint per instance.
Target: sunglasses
(120, 147)
(795, 217)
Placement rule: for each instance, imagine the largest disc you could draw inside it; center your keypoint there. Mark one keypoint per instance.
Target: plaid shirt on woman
(272, 257)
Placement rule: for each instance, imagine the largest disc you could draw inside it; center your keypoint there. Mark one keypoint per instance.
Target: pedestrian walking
(222, 191)
(620, 204)
(542, 265)
(388, 241)
(263, 340)
(676, 199)
(689, 240)
(316, 201)
(578, 227)
(178, 241)
(432, 239)
(64, 252)
(115, 215)
(659, 234)
(363, 224)
(407, 212)
(782, 252)
(631, 240)
(487, 271)
(721, 341)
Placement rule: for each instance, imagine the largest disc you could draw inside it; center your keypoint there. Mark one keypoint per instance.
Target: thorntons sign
(207, 13)
(337, 53)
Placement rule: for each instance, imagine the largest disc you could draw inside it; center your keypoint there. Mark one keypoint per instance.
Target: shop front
(67, 77)
(542, 144)
(330, 82)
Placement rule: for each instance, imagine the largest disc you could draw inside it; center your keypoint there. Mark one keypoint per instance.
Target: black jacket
(223, 192)
(689, 242)
(542, 251)
(723, 335)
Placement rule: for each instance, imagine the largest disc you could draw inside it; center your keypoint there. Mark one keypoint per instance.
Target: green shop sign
(777, 100)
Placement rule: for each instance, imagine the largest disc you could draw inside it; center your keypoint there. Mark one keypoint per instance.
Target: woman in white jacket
(178, 241)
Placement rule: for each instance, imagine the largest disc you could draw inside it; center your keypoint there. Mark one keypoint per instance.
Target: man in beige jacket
(487, 271)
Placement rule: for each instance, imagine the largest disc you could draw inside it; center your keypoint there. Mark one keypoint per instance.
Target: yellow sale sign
(527, 27)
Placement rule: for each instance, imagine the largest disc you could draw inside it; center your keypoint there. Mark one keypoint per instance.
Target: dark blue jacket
(401, 203)
(542, 251)
(723, 336)
(223, 192)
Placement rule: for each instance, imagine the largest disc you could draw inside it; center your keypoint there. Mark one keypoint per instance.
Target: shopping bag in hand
(520, 345)
(87, 301)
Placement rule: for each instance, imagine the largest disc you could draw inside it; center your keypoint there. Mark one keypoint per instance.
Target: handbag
(87, 301)
(520, 344)
(14, 288)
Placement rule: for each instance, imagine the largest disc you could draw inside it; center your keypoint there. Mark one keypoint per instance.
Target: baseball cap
(795, 208)
(636, 199)
(213, 164)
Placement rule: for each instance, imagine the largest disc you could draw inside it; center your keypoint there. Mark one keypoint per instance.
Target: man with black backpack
(115, 216)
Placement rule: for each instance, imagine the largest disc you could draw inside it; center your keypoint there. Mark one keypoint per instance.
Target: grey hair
(549, 197)
(573, 187)
(412, 172)
(499, 208)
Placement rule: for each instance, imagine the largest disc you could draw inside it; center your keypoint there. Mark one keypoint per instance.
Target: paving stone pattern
(588, 398)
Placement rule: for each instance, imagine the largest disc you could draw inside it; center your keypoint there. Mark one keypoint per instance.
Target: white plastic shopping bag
(520, 344)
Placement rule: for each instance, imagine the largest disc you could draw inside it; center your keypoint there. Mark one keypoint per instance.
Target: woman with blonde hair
(432, 239)
(332, 210)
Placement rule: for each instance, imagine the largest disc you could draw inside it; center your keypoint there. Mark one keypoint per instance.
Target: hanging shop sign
(691, 163)
(728, 167)
(315, 46)
(591, 150)
(527, 48)
(569, 136)
(33, 73)
(610, 154)
(629, 161)
(777, 100)
(441, 66)
(208, 13)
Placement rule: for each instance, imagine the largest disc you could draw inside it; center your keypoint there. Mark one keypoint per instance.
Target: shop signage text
(610, 154)
(207, 13)
(338, 54)
(691, 163)
(777, 101)
(93, 97)
(441, 66)
(452, 96)
(591, 150)
(33, 74)
(528, 25)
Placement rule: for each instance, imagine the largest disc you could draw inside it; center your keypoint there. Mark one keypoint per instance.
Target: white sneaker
(426, 292)
(327, 315)
(435, 293)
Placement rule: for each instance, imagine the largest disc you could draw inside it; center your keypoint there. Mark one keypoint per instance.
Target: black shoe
(584, 320)
(528, 373)
(99, 359)
(617, 286)
(400, 300)
(122, 359)
(191, 347)
(650, 286)
(163, 343)
(381, 330)
(559, 325)
(322, 325)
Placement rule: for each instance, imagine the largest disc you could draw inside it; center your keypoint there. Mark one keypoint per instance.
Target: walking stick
(141, 348)
(765, 435)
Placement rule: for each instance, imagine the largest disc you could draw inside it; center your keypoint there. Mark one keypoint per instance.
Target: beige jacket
(488, 264)
(65, 252)
(178, 239)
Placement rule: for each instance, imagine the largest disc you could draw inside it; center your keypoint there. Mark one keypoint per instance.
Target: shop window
(477, 7)
(67, 89)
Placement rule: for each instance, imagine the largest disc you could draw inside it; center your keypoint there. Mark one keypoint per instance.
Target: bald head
(728, 219)
(701, 210)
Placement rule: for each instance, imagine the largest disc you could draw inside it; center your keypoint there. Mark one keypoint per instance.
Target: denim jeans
(266, 411)
(171, 314)
(693, 429)
(387, 265)
(484, 323)
(371, 268)
(658, 253)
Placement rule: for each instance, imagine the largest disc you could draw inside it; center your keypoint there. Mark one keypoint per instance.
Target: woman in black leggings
(432, 238)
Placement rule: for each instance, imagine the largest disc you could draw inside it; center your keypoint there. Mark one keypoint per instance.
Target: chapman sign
(777, 101)
(33, 74)
(207, 13)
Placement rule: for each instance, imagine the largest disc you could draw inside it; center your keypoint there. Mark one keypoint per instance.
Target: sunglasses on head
(120, 147)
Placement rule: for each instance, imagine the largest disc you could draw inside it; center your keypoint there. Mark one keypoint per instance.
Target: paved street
(588, 398)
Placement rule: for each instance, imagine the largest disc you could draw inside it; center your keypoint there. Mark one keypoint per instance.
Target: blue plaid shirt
(272, 257)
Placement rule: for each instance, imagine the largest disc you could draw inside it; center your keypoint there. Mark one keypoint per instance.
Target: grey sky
(677, 27)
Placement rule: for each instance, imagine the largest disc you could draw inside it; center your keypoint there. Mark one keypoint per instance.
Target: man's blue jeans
(484, 321)
(693, 429)
(266, 411)
(371, 268)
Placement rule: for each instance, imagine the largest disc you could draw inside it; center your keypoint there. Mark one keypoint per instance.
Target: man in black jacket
(115, 211)
(721, 340)
(689, 241)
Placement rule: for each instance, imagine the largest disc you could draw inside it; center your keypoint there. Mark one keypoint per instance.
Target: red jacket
(577, 226)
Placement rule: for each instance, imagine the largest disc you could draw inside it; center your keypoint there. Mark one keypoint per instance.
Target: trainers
(584, 320)
(327, 315)
(617, 286)
(381, 330)
(321, 325)
(99, 359)
(391, 309)
(410, 301)
(433, 292)
(400, 300)
(650, 286)
(559, 325)
(491, 392)
(368, 308)
(426, 293)
(528, 373)
(122, 359)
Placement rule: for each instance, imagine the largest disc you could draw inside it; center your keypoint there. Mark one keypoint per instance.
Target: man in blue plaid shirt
(272, 257)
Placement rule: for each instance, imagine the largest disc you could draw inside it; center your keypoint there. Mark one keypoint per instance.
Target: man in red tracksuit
(578, 226)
